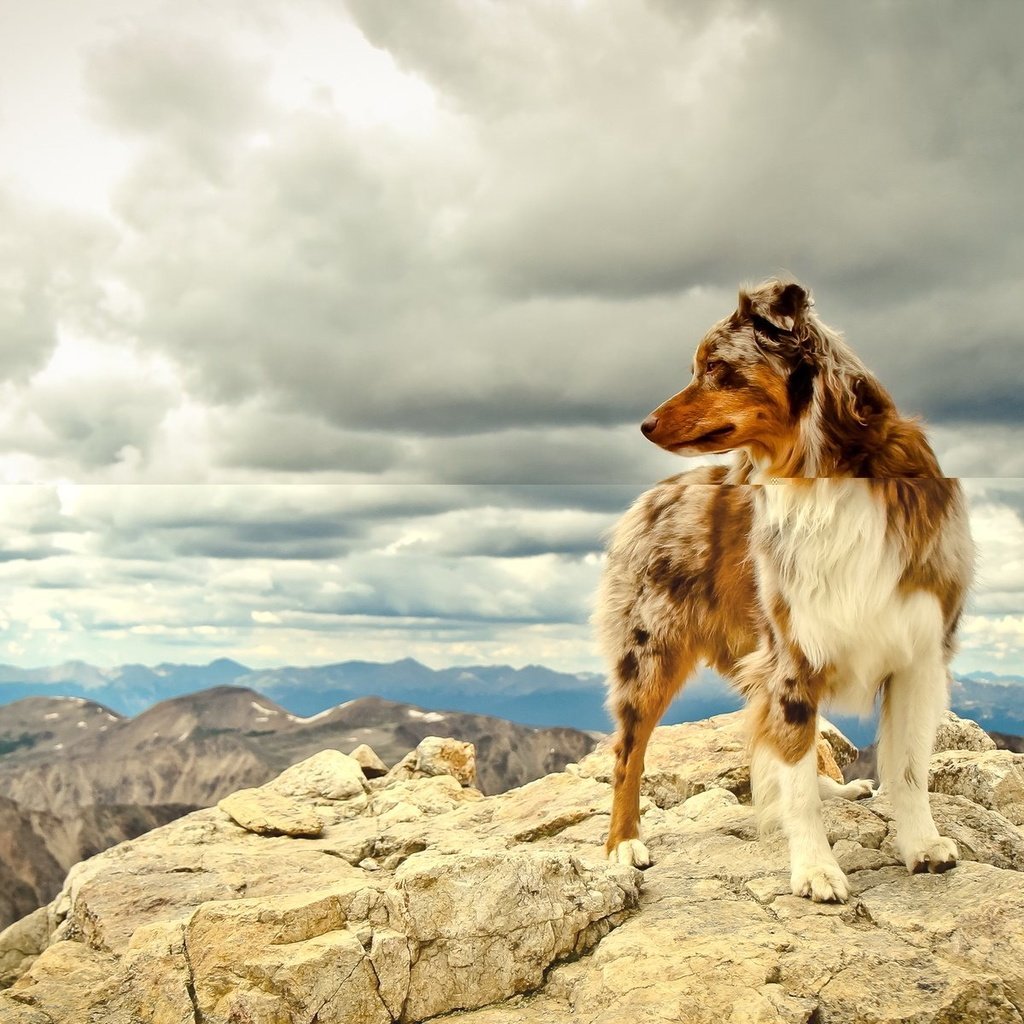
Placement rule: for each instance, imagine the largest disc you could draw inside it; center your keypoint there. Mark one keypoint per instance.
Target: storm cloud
(376, 295)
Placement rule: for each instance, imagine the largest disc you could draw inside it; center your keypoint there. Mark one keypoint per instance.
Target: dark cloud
(460, 315)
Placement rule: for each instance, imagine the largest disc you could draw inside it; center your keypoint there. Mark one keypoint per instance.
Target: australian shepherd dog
(827, 565)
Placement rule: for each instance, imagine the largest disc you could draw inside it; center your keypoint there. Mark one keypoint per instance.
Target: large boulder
(956, 733)
(991, 778)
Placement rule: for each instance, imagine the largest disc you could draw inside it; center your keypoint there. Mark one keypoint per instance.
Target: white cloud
(438, 261)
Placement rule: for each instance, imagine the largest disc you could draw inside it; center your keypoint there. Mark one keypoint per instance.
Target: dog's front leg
(814, 870)
(912, 703)
(784, 778)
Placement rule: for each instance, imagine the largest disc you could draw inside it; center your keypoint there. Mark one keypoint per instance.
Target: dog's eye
(711, 365)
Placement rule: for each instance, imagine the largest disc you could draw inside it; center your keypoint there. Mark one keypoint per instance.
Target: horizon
(706, 676)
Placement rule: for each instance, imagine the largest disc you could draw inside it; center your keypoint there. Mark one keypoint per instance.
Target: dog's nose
(649, 425)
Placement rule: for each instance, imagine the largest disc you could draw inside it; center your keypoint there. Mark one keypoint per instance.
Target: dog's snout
(649, 425)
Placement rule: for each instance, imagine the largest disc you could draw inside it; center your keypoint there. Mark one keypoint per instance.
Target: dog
(827, 564)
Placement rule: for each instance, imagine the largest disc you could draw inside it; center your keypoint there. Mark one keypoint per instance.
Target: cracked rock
(423, 898)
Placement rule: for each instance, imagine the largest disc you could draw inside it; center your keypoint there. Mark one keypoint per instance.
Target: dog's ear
(786, 305)
(782, 306)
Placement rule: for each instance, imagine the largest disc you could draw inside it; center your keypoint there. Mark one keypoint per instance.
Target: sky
(326, 328)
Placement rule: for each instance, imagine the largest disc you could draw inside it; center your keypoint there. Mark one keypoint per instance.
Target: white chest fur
(825, 547)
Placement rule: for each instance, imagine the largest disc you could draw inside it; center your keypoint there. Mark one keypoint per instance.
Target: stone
(683, 760)
(992, 778)
(269, 814)
(327, 776)
(827, 764)
(373, 767)
(843, 750)
(71, 982)
(502, 919)
(701, 804)
(422, 898)
(21, 942)
(686, 759)
(436, 755)
(955, 733)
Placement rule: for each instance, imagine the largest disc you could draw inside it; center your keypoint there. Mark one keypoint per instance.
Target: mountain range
(532, 695)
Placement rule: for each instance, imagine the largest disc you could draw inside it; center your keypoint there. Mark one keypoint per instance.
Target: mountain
(127, 689)
(532, 695)
(77, 777)
(995, 702)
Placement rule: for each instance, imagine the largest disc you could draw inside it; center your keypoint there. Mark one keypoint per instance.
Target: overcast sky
(325, 328)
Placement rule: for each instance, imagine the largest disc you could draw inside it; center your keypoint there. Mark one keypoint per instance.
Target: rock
(373, 767)
(437, 756)
(685, 759)
(409, 801)
(992, 778)
(981, 835)
(452, 931)
(269, 814)
(843, 750)
(501, 919)
(704, 803)
(72, 982)
(955, 733)
(21, 943)
(422, 898)
(827, 764)
(329, 775)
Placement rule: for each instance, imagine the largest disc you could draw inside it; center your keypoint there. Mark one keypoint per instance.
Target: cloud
(383, 292)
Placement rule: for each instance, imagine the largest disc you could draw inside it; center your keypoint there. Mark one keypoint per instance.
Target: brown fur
(690, 575)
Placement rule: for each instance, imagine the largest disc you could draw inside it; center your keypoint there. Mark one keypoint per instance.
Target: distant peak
(229, 663)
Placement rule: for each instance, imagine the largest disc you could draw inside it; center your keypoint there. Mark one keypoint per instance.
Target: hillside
(98, 778)
(413, 896)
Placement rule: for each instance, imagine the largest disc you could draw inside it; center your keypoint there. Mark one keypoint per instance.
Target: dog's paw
(823, 883)
(858, 789)
(934, 855)
(630, 852)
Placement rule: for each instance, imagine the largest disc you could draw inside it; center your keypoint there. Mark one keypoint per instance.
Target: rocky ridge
(412, 896)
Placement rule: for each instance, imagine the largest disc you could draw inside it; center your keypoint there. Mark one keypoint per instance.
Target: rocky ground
(325, 896)
(77, 778)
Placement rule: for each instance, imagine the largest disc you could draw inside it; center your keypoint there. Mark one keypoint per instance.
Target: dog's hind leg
(912, 704)
(645, 682)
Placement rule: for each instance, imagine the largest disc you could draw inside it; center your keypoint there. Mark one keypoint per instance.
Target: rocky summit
(327, 896)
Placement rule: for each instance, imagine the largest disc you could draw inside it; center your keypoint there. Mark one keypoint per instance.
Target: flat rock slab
(270, 814)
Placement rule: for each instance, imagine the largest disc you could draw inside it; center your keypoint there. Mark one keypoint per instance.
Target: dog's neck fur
(849, 428)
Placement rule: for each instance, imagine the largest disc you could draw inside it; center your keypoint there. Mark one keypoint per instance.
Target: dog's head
(753, 379)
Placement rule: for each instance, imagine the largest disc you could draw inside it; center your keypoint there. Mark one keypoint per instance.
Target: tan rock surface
(992, 778)
(498, 910)
(373, 767)
(684, 759)
(437, 756)
(269, 814)
(956, 733)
